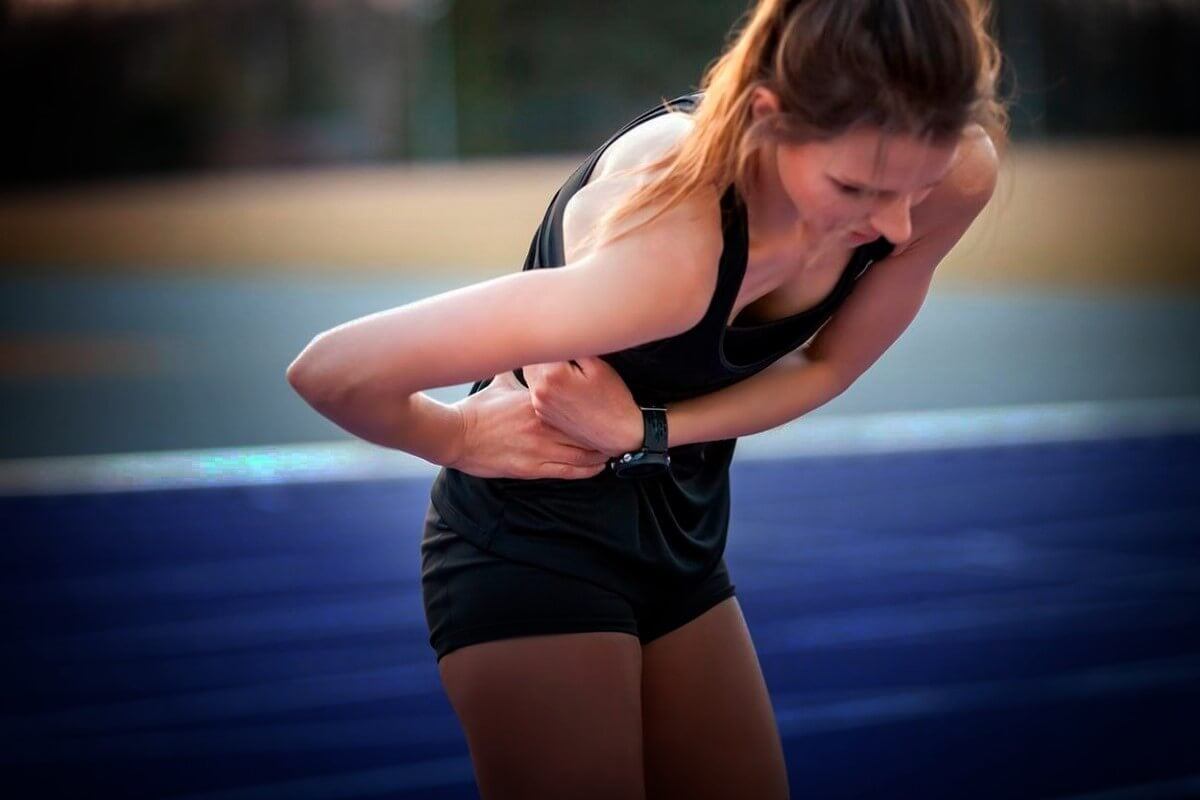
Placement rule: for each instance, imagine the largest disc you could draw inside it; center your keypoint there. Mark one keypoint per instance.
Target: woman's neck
(775, 227)
(771, 217)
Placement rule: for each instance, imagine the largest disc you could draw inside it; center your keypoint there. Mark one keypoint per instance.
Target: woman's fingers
(559, 469)
(578, 456)
(513, 441)
(570, 471)
(568, 462)
(588, 458)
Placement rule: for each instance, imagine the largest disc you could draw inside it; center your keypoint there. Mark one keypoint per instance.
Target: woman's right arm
(652, 283)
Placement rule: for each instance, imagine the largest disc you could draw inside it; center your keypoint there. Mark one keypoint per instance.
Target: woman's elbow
(313, 374)
(298, 376)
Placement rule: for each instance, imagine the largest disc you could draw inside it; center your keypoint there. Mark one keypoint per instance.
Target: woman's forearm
(789, 388)
(415, 423)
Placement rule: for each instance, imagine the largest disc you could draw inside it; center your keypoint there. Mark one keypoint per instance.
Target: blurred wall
(1117, 214)
(103, 88)
(310, 135)
(190, 189)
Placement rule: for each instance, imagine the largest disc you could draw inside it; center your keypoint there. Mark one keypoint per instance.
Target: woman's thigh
(542, 669)
(551, 716)
(707, 725)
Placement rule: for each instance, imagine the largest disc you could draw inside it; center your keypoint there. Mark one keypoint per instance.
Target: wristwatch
(653, 458)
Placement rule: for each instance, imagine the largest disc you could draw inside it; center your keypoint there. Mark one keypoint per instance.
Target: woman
(686, 278)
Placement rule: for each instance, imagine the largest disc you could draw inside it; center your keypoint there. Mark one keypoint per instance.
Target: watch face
(641, 470)
(641, 465)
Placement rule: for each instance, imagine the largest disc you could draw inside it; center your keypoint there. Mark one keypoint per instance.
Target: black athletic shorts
(473, 596)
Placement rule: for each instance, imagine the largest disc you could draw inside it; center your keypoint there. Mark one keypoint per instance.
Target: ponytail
(925, 67)
(712, 155)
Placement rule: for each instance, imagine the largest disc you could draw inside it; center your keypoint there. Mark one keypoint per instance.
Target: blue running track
(1002, 622)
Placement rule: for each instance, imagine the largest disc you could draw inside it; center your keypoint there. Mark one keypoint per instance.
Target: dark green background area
(232, 84)
(537, 75)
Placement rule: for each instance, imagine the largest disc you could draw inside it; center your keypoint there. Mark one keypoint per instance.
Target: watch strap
(654, 424)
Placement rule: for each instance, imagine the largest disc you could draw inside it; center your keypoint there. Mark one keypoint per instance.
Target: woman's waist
(688, 461)
(695, 469)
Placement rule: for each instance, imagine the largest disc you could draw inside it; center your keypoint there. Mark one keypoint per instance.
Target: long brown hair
(927, 68)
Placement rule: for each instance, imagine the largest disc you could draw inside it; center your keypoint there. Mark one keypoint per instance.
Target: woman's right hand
(504, 438)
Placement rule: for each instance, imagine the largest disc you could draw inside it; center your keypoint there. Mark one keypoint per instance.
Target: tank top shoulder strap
(547, 249)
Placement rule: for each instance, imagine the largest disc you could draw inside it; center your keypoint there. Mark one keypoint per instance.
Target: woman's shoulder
(974, 177)
(621, 171)
(644, 144)
(968, 187)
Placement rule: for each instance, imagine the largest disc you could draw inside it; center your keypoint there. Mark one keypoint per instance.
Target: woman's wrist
(635, 427)
(432, 430)
(456, 443)
(633, 432)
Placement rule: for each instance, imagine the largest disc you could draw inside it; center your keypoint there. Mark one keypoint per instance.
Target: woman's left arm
(589, 402)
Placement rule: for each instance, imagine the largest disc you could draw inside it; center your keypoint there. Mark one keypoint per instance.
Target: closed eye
(850, 190)
(847, 189)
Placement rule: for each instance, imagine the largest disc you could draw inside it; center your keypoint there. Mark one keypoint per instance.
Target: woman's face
(859, 185)
(862, 184)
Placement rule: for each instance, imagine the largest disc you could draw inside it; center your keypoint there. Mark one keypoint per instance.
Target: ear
(763, 102)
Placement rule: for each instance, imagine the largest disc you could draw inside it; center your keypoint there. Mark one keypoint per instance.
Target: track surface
(1010, 622)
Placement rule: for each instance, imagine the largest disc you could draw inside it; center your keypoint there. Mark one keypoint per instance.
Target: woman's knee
(551, 716)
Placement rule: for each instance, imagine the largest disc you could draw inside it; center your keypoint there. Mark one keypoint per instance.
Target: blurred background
(211, 591)
(192, 190)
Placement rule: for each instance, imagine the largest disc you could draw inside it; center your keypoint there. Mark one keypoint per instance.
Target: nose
(893, 219)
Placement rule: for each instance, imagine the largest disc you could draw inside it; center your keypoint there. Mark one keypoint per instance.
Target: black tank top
(621, 532)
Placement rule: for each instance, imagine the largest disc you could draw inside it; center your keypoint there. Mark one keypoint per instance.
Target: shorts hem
(695, 611)
(478, 634)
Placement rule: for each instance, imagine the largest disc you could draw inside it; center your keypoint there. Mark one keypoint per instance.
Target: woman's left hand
(588, 401)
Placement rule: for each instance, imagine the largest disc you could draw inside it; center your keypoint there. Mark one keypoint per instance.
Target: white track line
(899, 432)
